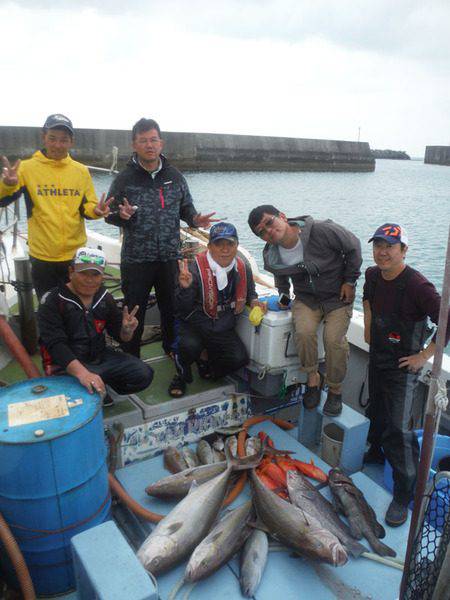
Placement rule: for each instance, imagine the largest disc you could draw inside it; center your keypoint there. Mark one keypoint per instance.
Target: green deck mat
(13, 372)
(164, 370)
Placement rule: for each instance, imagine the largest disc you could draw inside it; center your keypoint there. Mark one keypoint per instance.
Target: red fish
(308, 469)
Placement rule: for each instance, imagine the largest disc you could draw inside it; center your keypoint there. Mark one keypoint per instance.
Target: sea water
(415, 195)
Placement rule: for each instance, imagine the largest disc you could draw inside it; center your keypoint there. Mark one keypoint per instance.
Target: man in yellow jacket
(59, 195)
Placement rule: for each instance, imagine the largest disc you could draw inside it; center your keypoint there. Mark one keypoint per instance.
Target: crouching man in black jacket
(72, 321)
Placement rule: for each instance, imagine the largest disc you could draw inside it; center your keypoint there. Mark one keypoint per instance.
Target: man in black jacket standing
(72, 323)
(323, 260)
(150, 198)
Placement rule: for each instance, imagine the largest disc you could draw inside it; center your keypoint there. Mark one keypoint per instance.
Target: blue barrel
(53, 475)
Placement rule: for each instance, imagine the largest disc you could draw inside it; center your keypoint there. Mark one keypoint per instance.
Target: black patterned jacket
(152, 233)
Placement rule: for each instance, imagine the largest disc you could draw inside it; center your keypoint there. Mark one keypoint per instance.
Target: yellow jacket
(59, 195)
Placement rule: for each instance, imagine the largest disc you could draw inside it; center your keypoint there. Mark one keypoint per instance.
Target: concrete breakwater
(437, 155)
(205, 151)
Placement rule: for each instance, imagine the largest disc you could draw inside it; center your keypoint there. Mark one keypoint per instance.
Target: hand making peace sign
(102, 208)
(126, 211)
(10, 173)
(185, 276)
(129, 321)
(205, 220)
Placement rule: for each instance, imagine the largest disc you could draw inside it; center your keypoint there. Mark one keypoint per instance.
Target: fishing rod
(436, 402)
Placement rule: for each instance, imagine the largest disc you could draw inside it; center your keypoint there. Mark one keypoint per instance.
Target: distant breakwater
(437, 155)
(392, 154)
(205, 151)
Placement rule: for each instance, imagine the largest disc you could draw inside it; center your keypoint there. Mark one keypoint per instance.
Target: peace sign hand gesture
(185, 276)
(129, 321)
(205, 220)
(102, 208)
(10, 173)
(126, 211)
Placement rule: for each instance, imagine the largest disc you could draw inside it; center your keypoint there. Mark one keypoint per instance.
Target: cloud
(410, 28)
(224, 74)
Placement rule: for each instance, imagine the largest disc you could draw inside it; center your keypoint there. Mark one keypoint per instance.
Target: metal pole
(27, 319)
(432, 417)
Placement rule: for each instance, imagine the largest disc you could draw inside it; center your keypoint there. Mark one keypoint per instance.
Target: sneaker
(396, 514)
(107, 401)
(311, 398)
(374, 456)
(333, 404)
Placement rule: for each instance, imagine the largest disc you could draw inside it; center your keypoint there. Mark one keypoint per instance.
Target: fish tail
(241, 464)
(380, 548)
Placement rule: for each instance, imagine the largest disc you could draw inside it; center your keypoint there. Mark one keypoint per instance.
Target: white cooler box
(272, 344)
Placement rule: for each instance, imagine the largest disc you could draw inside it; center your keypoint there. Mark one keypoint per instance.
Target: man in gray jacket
(322, 260)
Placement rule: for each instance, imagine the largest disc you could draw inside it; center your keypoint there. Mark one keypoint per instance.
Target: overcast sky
(298, 68)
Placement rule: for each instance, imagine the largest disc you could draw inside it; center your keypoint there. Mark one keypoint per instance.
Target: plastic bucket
(53, 475)
(332, 440)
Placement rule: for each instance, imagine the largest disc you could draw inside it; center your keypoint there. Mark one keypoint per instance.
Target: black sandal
(203, 369)
(177, 387)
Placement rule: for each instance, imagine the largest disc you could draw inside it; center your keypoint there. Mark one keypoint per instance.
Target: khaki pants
(336, 322)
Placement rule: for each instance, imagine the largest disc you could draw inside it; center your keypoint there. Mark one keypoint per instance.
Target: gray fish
(253, 562)
(362, 520)
(175, 536)
(231, 442)
(304, 495)
(223, 541)
(252, 445)
(190, 457)
(174, 460)
(291, 526)
(204, 453)
(218, 444)
(179, 484)
(229, 430)
(218, 456)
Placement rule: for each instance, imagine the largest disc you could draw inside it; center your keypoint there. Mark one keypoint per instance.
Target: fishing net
(431, 542)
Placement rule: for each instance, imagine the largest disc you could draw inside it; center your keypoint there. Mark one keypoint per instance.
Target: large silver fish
(175, 536)
(253, 562)
(304, 495)
(179, 484)
(222, 542)
(361, 517)
(291, 526)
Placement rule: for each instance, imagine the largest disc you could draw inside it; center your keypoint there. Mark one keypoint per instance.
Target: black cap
(58, 120)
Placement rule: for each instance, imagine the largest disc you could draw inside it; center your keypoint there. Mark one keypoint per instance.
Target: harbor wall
(205, 151)
(437, 155)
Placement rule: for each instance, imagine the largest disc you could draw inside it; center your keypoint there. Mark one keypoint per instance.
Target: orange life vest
(211, 292)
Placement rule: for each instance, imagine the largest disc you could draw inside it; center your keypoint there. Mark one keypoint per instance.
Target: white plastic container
(272, 344)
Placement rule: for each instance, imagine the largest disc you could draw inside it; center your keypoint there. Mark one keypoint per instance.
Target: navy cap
(391, 233)
(58, 120)
(223, 231)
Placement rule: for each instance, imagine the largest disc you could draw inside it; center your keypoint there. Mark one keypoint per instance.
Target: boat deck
(286, 576)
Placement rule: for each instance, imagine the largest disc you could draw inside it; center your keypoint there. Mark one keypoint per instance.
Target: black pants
(126, 374)
(390, 412)
(226, 352)
(47, 275)
(138, 279)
